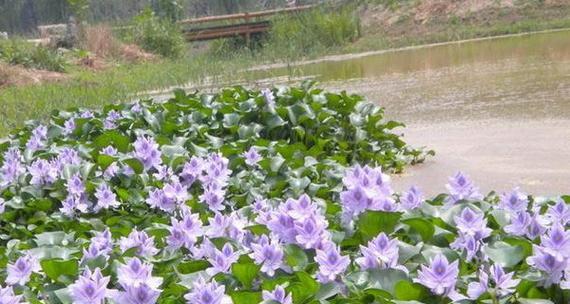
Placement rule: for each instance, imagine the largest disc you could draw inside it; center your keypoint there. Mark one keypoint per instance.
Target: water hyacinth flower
(192, 170)
(312, 231)
(222, 260)
(69, 126)
(381, 253)
(71, 205)
(411, 199)
(366, 188)
(251, 157)
(559, 213)
(12, 167)
(278, 295)
(472, 223)
(75, 186)
(147, 152)
(176, 191)
(269, 98)
(38, 138)
(460, 187)
(110, 120)
(90, 288)
(185, 232)
(514, 201)
(105, 198)
(7, 296)
(537, 226)
(213, 197)
(206, 293)
(268, 254)
(331, 263)
(158, 199)
(557, 242)
(141, 294)
(20, 272)
(519, 224)
(136, 273)
(545, 261)
(440, 277)
(141, 241)
(42, 172)
(502, 285)
(101, 246)
(109, 150)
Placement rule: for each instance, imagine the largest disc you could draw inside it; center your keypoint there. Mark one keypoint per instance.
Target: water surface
(497, 109)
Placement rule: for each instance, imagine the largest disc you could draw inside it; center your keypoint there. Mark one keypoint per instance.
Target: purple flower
(411, 199)
(366, 188)
(109, 150)
(136, 273)
(545, 261)
(176, 191)
(278, 295)
(268, 254)
(86, 114)
(2, 205)
(440, 277)
(192, 170)
(146, 150)
(559, 213)
(269, 98)
(514, 202)
(68, 156)
(381, 253)
(461, 188)
(164, 173)
(536, 227)
(222, 260)
(7, 296)
(184, 232)
(467, 242)
(141, 294)
(557, 242)
(503, 283)
(37, 140)
(110, 120)
(69, 126)
(105, 198)
(22, 269)
(251, 156)
(90, 288)
(213, 197)
(101, 246)
(11, 168)
(73, 204)
(141, 241)
(311, 232)
(331, 263)
(157, 199)
(75, 185)
(42, 172)
(519, 224)
(205, 293)
(472, 223)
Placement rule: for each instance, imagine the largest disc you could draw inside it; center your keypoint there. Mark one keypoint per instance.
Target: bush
(100, 40)
(15, 51)
(313, 31)
(156, 35)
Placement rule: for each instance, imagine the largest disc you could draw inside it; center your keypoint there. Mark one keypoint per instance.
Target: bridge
(251, 23)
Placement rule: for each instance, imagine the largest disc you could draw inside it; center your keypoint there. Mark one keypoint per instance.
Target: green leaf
(408, 291)
(135, 164)
(245, 272)
(55, 268)
(424, 227)
(305, 288)
(371, 223)
(246, 297)
(104, 161)
(385, 279)
(296, 257)
(112, 138)
(504, 254)
(192, 266)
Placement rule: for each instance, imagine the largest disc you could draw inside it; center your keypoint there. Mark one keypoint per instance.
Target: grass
(122, 83)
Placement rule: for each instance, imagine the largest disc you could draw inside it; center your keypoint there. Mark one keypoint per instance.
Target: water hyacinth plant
(279, 196)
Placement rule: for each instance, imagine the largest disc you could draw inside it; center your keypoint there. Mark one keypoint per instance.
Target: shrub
(316, 30)
(15, 51)
(156, 35)
(100, 40)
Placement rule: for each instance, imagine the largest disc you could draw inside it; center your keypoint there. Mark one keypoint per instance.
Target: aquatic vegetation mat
(278, 196)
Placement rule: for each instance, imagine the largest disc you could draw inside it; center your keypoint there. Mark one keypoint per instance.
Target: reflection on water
(497, 109)
(516, 77)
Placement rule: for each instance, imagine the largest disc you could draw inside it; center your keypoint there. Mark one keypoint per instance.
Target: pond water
(497, 109)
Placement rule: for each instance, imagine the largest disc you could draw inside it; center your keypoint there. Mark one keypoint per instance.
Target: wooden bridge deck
(246, 28)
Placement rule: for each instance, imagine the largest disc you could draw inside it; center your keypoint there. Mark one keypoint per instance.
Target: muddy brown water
(498, 109)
